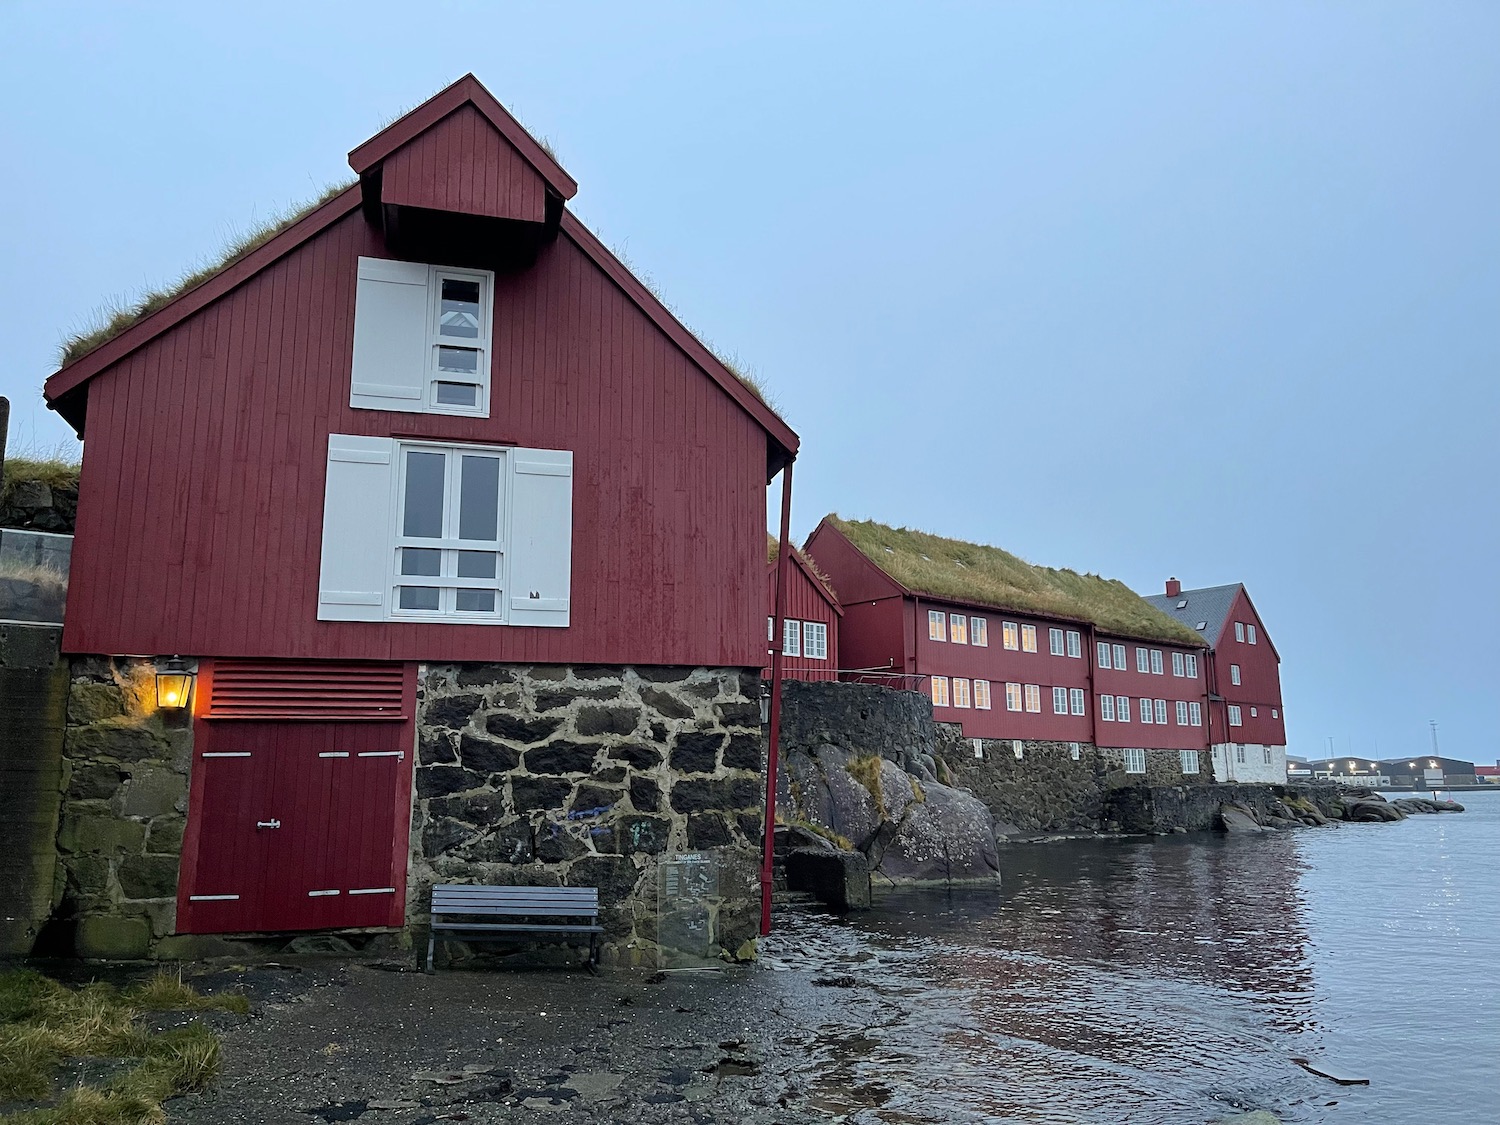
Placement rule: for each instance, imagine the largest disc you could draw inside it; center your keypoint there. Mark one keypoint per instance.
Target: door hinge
(268, 824)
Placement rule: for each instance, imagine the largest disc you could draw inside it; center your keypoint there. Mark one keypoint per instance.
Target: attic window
(1182, 604)
(926, 558)
(1202, 625)
(960, 562)
(889, 551)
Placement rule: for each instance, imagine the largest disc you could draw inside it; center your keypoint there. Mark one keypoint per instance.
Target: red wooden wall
(806, 600)
(200, 510)
(462, 164)
(1148, 685)
(1260, 681)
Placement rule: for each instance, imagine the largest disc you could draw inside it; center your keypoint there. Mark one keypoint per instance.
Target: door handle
(268, 824)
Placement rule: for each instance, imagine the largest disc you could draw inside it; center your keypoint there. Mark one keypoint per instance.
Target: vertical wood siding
(462, 164)
(1259, 686)
(804, 602)
(1137, 685)
(200, 509)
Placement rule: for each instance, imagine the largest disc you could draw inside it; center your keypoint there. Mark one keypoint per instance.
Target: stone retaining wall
(585, 776)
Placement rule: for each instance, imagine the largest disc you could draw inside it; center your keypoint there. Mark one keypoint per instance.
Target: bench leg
(431, 943)
(594, 953)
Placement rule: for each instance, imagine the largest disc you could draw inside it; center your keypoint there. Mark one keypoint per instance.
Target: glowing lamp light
(174, 684)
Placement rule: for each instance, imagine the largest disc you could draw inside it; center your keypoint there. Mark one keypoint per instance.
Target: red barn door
(300, 800)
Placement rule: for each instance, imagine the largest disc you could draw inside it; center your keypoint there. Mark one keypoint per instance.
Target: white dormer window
(422, 338)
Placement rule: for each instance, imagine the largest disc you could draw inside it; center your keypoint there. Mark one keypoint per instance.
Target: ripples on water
(1172, 980)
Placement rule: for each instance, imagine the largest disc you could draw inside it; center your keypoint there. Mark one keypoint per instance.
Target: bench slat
(491, 927)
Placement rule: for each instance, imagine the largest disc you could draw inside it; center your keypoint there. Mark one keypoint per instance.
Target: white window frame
(1059, 701)
(962, 696)
(1190, 662)
(1182, 713)
(1239, 753)
(1075, 644)
(1143, 661)
(939, 689)
(1195, 714)
(1146, 712)
(979, 632)
(1010, 635)
(1013, 697)
(1178, 665)
(1135, 760)
(1034, 698)
(958, 629)
(1157, 669)
(1055, 642)
(1122, 708)
(1102, 650)
(814, 640)
(1188, 760)
(1254, 713)
(1120, 663)
(982, 698)
(1239, 631)
(1275, 713)
(1235, 719)
(1250, 634)
(1266, 750)
(937, 625)
(1106, 708)
(791, 636)
(1234, 675)
(1161, 712)
(1028, 638)
(1075, 701)
(770, 629)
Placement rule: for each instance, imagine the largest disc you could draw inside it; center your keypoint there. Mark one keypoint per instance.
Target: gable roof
(1209, 606)
(978, 574)
(63, 390)
(804, 562)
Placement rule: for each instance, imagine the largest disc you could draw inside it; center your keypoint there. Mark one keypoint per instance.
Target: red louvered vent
(330, 692)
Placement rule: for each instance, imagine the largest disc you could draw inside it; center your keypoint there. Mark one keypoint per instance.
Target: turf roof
(773, 549)
(989, 576)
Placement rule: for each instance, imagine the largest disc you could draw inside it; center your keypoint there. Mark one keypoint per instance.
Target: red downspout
(778, 660)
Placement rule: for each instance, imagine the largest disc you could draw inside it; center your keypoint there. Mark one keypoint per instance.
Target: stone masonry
(584, 776)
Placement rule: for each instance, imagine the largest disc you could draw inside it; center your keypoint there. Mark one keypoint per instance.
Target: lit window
(958, 629)
(1119, 657)
(1075, 644)
(1107, 708)
(961, 696)
(1142, 660)
(1234, 716)
(1034, 699)
(1059, 701)
(1103, 654)
(1135, 761)
(940, 691)
(937, 625)
(981, 695)
(1055, 641)
(1145, 710)
(1012, 697)
(791, 637)
(1156, 665)
(1028, 638)
(1161, 712)
(1192, 666)
(1195, 714)
(1239, 631)
(1010, 635)
(1189, 760)
(1250, 633)
(1234, 674)
(815, 640)
(1178, 665)
(979, 632)
(1075, 700)
(1122, 708)
(1182, 713)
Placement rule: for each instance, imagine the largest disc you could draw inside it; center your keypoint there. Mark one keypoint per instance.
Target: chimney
(1174, 588)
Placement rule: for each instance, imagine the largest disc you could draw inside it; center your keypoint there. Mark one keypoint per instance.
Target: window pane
(424, 496)
(418, 597)
(458, 394)
(475, 564)
(459, 313)
(421, 560)
(479, 506)
(476, 601)
(461, 361)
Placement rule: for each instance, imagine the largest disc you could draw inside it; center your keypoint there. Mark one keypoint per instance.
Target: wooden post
(773, 740)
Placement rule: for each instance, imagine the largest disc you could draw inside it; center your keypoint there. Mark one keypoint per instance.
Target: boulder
(947, 838)
(1239, 820)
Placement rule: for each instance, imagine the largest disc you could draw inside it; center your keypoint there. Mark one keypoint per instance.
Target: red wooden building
(1010, 650)
(1247, 720)
(432, 431)
(810, 619)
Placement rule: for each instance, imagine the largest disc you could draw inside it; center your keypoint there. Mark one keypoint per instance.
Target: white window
(1182, 713)
(1034, 699)
(940, 691)
(1010, 635)
(1012, 697)
(1135, 761)
(961, 697)
(1250, 633)
(421, 338)
(1075, 750)
(1253, 712)
(1075, 644)
(791, 637)
(1142, 660)
(1156, 665)
(1103, 654)
(1195, 714)
(1189, 760)
(1059, 701)
(1266, 750)
(958, 629)
(1145, 710)
(1239, 754)
(1122, 708)
(1055, 641)
(1239, 631)
(1107, 708)
(1119, 656)
(1018, 748)
(445, 533)
(1177, 664)
(815, 640)
(770, 629)
(1234, 717)
(978, 744)
(1028, 638)
(1234, 674)
(1275, 714)
(1191, 662)
(1075, 700)
(981, 695)
(1161, 712)
(937, 625)
(979, 632)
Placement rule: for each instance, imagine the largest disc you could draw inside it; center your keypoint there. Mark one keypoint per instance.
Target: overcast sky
(1144, 289)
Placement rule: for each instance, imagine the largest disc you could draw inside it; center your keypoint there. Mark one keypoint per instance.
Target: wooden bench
(466, 912)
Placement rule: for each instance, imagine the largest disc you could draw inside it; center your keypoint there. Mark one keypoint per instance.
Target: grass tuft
(866, 771)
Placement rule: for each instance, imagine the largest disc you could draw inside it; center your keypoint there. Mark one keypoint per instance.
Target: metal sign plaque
(687, 902)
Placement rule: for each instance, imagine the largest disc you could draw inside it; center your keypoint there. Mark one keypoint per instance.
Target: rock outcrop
(1318, 805)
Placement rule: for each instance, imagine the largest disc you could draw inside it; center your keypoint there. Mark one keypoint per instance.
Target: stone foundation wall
(124, 806)
(586, 776)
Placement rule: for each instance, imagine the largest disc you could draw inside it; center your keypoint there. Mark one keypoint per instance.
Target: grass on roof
(972, 572)
(115, 318)
(54, 472)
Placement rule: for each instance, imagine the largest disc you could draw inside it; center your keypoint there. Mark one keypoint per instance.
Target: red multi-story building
(1247, 720)
(809, 622)
(1014, 651)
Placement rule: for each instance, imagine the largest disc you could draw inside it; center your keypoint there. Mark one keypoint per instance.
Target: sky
(1147, 290)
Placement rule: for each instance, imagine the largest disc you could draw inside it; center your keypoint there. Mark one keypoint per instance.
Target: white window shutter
(354, 581)
(390, 336)
(541, 536)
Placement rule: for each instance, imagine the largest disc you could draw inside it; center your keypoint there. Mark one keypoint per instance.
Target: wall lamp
(174, 683)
